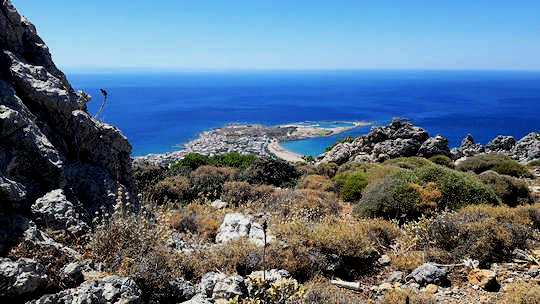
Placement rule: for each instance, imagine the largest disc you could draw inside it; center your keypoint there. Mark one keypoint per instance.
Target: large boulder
(528, 148)
(437, 145)
(49, 140)
(22, 278)
(54, 211)
(111, 289)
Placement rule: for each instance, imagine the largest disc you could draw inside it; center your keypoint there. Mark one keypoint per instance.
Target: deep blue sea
(158, 111)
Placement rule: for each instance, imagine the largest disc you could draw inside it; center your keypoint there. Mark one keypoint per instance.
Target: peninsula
(253, 139)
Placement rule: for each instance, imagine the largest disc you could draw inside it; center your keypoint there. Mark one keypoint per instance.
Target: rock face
(47, 139)
(21, 278)
(111, 289)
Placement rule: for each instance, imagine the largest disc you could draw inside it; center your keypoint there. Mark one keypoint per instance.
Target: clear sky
(291, 34)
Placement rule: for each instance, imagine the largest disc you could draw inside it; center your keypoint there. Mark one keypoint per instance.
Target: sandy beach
(275, 148)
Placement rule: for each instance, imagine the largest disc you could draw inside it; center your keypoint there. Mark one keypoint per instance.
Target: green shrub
(233, 159)
(458, 188)
(271, 172)
(392, 197)
(207, 181)
(442, 160)
(191, 161)
(408, 194)
(512, 191)
(408, 162)
(350, 185)
(486, 233)
(499, 163)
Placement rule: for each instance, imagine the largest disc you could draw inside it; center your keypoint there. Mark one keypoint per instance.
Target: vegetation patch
(499, 163)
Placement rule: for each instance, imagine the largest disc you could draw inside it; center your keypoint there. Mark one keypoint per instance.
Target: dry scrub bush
(398, 296)
(327, 169)
(200, 220)
(485, 233)
(302, 248)
(240, 256)
(131, 245)
(522, 293)
(407, 260)
(243, 193)
(172, 189)
(316, 182)
(320, 291)
(207, 181)
(306, 204)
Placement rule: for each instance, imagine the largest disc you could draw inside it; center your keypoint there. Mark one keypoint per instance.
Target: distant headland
(255, 139)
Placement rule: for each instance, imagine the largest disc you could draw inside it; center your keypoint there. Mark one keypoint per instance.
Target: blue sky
(315, 34)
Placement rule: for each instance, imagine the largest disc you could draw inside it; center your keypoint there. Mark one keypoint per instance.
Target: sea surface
(160, 111)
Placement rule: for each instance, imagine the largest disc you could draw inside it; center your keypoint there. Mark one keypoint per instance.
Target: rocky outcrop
(528, 148)
(402, 139)
(111, 289)
(48, 140)
(399, 138)
(501, 144)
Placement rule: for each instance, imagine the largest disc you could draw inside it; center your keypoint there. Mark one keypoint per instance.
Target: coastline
(279, 151)
(253, 139)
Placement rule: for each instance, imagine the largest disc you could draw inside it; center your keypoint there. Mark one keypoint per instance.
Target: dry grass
(399, 296)
(320, 291)
(407, 261)
(522, 293)
(303, 204)
(316, 182)
(198, 219)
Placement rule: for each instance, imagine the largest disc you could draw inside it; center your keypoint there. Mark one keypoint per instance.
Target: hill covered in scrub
(394, 216)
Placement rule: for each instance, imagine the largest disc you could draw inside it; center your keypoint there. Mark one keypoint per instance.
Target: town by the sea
(161, 111)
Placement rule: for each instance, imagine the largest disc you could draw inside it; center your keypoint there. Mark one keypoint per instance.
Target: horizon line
(291, 70)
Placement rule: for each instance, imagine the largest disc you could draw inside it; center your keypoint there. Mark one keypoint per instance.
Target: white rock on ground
(110, 290)
(237, 225)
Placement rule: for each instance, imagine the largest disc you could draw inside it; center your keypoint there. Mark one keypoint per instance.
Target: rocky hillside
(49, 144)
(401, 139)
